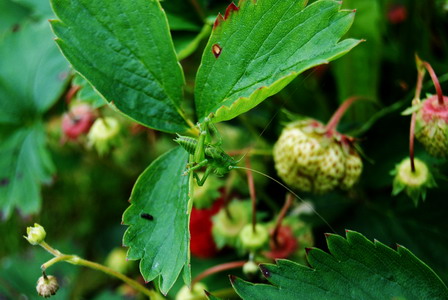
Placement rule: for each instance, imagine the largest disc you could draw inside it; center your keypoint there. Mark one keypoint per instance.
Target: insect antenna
(292, 192)
(282, 104)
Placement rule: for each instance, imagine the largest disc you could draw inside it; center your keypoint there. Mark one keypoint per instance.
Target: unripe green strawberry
(431, 127)
(196, 291)
(414, 183)
(227, 226)
(253, 240)
(312, 159)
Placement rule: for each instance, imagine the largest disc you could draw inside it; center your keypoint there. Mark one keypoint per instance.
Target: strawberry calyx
(432, 110)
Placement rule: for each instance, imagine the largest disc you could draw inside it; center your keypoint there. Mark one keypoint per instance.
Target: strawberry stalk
(334, 121)
(217, 269)
(280, 218)
(436, 82)
(253, 197)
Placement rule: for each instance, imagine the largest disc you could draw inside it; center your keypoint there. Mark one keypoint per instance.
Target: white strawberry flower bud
(35, 234)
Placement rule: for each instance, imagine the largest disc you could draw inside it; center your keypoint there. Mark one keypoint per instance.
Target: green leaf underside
(33, 74)
(265, 45)
(162, 244)
(24, 164)
(124, 49)
(356, 269)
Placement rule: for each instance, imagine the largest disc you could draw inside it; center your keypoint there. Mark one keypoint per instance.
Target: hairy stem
(217, 269)
(75, 260)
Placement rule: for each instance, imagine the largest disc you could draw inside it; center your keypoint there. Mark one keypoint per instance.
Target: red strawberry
(202, 244)
(78, 121)
(286, 244)
(397, 14)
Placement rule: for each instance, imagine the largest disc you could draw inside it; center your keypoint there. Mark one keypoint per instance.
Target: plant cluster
(191, 117)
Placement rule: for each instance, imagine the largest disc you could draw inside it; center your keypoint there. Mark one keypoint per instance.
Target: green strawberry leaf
(355, 269)
(24, 165)
(158, 217)
(210, 296)
(11, 14)
(41, 9)
(124, 49)
(33, 75)
(256, 49)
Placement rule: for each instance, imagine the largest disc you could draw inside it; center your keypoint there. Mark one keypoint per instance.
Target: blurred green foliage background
(81, 196)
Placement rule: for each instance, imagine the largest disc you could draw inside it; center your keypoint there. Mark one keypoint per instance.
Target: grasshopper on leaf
(205, 153)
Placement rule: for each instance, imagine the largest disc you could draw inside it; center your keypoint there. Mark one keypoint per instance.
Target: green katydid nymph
(205, 153)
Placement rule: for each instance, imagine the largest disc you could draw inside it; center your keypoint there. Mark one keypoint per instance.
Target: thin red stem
(435, 80)
(198, 8)
(333, 123)
(217, 269)
(418, 87)
(281, 216)
(253, 197)
(411, 142)
(71, 93)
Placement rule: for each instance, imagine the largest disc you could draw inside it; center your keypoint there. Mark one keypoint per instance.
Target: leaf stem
(217, 269)
(76, 260)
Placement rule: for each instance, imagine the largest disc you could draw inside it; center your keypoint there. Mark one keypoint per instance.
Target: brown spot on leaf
(216, 49)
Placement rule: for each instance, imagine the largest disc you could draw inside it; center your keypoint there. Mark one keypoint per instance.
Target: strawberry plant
(195, 113)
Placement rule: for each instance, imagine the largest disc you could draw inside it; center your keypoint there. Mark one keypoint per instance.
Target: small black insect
(146, 216)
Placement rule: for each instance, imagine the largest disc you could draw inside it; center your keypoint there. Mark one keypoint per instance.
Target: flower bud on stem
(76, 260)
